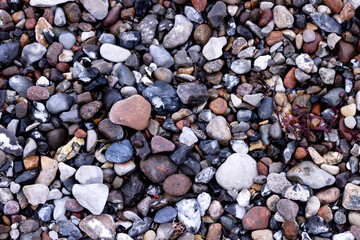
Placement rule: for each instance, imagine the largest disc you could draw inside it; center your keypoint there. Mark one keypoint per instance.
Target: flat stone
(161, 144)
(311, 175)
(48, 171)
(161, 57)
(114, 53)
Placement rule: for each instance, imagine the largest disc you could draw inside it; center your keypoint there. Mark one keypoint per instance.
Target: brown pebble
(256, 218)
(202, 34)
(265, 17)
(334, 5)
(274, 37)
(218, 106)
(290, 229)
(289, 80)
(31, 162)
(214, 231)
(177, 184)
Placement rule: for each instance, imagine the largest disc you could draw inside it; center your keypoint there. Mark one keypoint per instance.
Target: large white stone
(237, 172)
(213, 48)
(114, 53)
(47, 3)
(91, 196)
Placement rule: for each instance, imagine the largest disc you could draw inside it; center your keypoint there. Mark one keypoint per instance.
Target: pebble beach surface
(180, 119)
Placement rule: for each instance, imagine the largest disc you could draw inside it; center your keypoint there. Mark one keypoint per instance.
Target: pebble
(189, 214)
(232, 174)
(133, 112)
(218, 129)
(256, 218)
(158, 167)
(91, 196)
(213, 48)
(241, 66)
(217, 14)
(321, 179)
(179, 34)
(166, 214)
(89, 174)
(177, 184)
(98, 226)
(282, 17)
(114, 53)
(351, 192)
(119, 152)
(327, 75)
(97, 8)
(161, 57)
(36, 193)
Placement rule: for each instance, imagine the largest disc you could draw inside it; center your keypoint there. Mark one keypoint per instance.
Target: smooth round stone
(60, 102)
(37, 93)
(309, 35)
(68, 40)
(237, 172)
(114, 53)
(11, 207)
(111, 130)
(177, 184)
(350, 122)
(218, 129)
(133, 112)
(119, 152)
(166, 214)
